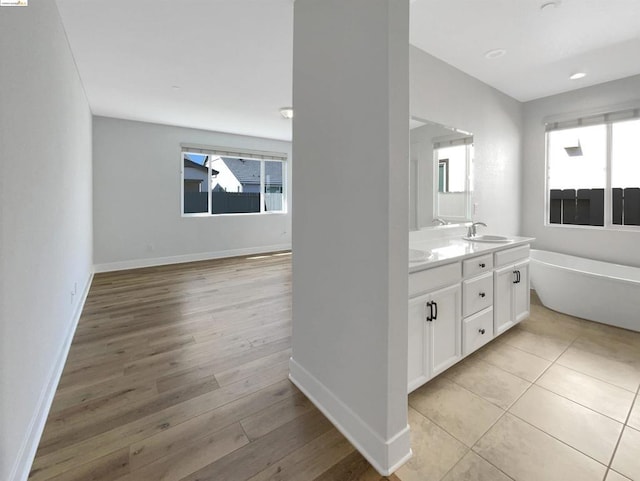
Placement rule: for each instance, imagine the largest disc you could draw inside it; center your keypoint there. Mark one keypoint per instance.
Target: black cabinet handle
(429, 311)
(435, 315)
(481, 331)
(482, 264)
(482, 294)
(517, 279)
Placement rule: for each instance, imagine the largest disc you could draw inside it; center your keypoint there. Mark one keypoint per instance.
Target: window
(216, 181)
(452, 159)
(593, 171)
(452, 168)
(625, 172)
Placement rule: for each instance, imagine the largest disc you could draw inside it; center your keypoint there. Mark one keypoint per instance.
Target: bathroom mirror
(440, 174)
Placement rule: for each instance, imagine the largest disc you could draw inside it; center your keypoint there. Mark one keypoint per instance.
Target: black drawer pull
(483, 265)
(481, 331)
(482, 294)
(429, 312)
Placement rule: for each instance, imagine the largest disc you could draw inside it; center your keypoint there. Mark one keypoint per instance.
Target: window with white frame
(593, 171)
(452, 159)
(223, 181)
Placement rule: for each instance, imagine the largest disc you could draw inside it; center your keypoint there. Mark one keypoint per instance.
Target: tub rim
(623, 280)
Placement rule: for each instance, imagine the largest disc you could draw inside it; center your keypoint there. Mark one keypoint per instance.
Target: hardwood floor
(180, 373)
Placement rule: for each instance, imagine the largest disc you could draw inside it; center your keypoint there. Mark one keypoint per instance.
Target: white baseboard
(385, 455)
(27, 453)
(202, 256)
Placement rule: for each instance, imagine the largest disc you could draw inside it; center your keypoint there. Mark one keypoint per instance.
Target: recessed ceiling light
(577, 75)
(545, 7)
(287, 112)
(495, 53)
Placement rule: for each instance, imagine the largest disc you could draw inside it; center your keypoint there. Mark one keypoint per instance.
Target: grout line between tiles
(470, 450)
(531, 383)
(442, 427)
(513, 374)
(558, 439)
(625, 425)
(579, 404)
(536, 355)
(497, 341)
(483, 398)
(511, 405)
(550, 435)
(593, 377)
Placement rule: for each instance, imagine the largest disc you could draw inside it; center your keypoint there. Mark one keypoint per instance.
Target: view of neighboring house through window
(593, 171)
(232, 184)
(196, 184)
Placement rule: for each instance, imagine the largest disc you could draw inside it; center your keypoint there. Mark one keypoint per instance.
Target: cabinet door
(503, 308)
(445, 336)
(521, 294)
(418, 367)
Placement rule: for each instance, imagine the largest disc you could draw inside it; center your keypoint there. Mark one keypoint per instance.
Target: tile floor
(555, 398)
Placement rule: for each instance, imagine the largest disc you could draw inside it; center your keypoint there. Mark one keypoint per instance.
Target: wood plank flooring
(180, 373)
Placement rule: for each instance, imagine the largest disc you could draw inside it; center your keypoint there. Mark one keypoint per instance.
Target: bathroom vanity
(462, 295)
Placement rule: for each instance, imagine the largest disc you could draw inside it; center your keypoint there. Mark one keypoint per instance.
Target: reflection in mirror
(440, 174)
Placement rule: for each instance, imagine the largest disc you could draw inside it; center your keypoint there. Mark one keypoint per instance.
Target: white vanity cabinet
(456, 308)
(434, 323)
(511, 287)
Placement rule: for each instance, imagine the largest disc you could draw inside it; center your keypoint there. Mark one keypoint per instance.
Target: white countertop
(451, 249)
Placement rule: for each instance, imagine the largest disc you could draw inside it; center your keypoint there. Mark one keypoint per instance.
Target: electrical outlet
(75, 288)
(475, 208)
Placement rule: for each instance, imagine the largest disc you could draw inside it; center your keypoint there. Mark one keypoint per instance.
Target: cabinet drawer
(508, 256)
(434, 278)
(477, 294)
(477, 265)
(477, 331)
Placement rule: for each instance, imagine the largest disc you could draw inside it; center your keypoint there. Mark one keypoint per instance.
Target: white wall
(45, 248)
(137, 182)
(445, 95)
(608, 245)
(350, 238)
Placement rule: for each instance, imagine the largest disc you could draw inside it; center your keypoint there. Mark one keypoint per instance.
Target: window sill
(245, 214)
(615, 228)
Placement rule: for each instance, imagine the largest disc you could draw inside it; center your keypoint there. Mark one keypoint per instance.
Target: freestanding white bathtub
(594, 290)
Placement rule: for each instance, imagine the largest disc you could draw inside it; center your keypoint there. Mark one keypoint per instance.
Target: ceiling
(226, 65)
(543, 46)
(231, 59)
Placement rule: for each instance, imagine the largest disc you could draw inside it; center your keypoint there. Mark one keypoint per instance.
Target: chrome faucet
(471, 232)
(439, 221)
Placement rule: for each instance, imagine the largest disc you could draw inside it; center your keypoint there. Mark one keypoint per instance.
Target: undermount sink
(488, 238)
(416, 255)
